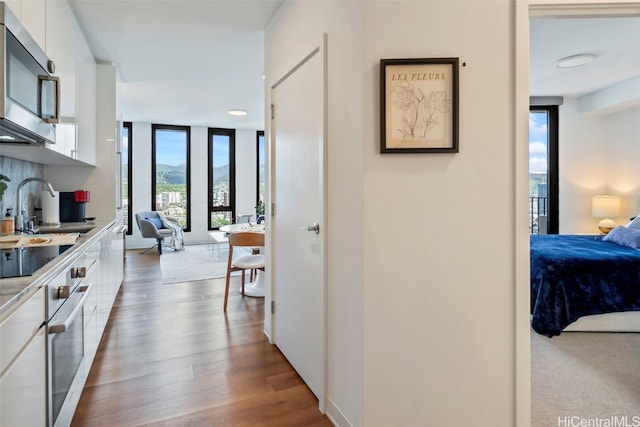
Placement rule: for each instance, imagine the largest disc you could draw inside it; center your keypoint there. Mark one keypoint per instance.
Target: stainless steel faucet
(22, 216)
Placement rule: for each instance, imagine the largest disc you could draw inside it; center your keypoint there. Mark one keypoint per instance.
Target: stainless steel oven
(65, 345)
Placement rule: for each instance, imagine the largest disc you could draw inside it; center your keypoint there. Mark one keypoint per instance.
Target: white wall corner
(614, 98)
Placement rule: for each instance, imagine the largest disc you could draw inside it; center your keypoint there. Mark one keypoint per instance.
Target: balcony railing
(537, 215)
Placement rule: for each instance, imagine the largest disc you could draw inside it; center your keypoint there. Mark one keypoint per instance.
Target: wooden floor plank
(170, 356)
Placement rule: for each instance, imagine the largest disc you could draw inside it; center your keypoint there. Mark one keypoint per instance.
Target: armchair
(150, 226)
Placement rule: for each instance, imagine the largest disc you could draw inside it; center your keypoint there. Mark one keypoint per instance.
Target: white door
(298, 192)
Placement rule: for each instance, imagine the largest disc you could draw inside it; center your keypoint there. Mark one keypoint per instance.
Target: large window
(127, 138)
(222, 177)
(260, 169)
(170, 183)
(543, 170)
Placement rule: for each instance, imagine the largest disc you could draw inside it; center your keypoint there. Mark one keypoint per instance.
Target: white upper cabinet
(75, 66)
(15, 6)
(85, 101)
(54, 27)
(32, 15)
(61, 48)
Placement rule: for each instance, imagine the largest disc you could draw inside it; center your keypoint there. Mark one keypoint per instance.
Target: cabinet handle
(78, 272)
(61, 327)
(63, 292)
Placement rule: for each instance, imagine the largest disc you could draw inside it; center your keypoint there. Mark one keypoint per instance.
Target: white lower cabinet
(110, 272)
(90, 307)
(103, 280)
(24, 343)
(23, 381)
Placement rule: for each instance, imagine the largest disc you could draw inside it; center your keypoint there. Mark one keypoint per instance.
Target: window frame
(187, 130)
(129, 127)
(231, 133)
(553, 184)
(259, 134)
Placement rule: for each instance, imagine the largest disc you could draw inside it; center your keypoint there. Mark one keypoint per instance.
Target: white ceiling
(615, 42)
(188, 62)
(182, 62)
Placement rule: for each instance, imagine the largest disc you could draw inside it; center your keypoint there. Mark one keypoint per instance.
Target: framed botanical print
(419, 105)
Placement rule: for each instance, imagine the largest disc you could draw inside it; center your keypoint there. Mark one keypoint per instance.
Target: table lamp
(605, 207)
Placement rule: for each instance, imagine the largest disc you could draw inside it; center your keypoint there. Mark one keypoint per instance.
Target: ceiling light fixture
(238, 112)
(575, 61)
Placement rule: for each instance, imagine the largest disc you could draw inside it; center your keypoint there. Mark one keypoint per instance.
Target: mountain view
(168, 174)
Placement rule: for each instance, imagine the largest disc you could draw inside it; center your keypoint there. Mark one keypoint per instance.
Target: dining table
(256, 288)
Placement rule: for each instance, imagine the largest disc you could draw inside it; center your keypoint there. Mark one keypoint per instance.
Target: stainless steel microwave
(29, 93)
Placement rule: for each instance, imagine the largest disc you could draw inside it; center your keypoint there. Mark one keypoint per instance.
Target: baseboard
(335, 415)
(267, 331)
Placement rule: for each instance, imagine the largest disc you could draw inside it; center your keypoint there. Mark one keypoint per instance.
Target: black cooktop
(17, 262)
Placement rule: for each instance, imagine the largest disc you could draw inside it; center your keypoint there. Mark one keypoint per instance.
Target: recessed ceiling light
(238, 112)
(574, 61)
(7, 138)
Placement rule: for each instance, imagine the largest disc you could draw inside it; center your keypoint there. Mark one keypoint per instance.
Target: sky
(170, 148)
(172, 151)
(537, 143)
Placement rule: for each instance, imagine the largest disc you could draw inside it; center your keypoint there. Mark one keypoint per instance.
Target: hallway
(170, 356)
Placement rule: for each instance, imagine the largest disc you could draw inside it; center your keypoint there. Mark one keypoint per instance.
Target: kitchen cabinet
(86, 105)
(54, 27)
(110, 272)
(61, 48)
(33, 17)
(31, 13)
(15, 6)
(90, 308)
(26, 349)
(23, 375)
(75, 66)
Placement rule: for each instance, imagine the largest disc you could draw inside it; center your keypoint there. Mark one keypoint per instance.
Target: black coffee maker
(72, 205)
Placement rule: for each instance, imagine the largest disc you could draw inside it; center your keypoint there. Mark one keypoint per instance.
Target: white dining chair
(246, 262)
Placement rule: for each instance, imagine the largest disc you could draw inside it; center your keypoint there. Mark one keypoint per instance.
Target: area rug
(195, 263)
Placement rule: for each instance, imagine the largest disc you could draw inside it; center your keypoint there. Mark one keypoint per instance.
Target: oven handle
(61, 327)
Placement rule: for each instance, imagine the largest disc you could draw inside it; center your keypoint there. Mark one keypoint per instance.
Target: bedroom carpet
(194, 263)
(586, 375)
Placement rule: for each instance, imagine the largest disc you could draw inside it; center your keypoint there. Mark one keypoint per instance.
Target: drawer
(19, 325)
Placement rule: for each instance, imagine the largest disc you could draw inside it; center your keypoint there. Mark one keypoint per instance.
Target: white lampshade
(605, 207)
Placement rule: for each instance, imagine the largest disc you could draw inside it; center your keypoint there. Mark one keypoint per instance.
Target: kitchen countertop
(68, 227)
(13, 289)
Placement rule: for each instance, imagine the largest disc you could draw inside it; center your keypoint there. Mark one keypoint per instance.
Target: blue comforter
(574, 276)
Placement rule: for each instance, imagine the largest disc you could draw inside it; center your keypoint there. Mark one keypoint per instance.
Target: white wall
(623, 157)
(598, 154)
(582, 167)
(245, 179)
(290, 36)
(423, 244)
(439, 295)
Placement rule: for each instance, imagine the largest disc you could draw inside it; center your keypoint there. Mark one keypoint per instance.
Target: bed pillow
(635, 223)
(624, 236)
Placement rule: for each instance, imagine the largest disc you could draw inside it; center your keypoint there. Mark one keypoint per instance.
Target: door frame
(319, 49)
(524, 11)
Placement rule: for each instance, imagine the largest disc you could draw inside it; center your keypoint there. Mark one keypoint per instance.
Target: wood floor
(171, 357)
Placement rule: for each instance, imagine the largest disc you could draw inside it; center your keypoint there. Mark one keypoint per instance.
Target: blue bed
(575, 275)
